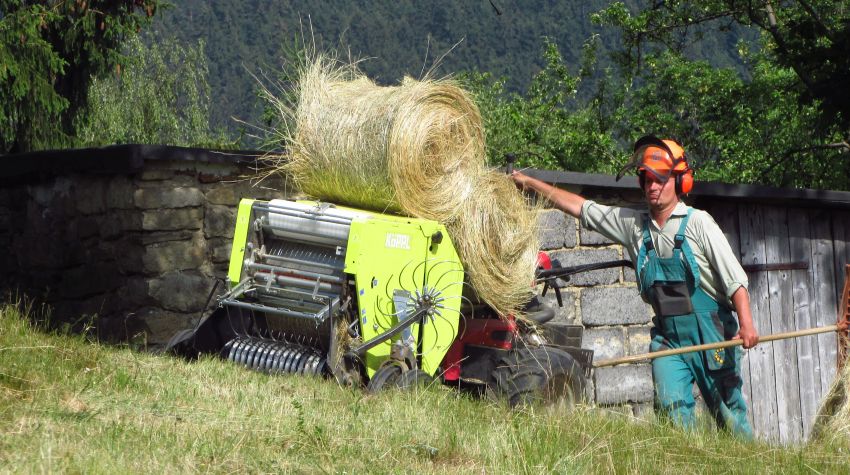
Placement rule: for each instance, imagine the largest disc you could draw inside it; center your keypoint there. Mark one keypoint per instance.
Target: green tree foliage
(49, 51)
(788, 125)
(548, 126)
(762, 124)
(394, 39)
(161, 96)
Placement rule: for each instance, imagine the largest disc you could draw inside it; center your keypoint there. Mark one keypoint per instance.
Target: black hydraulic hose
(561, 272)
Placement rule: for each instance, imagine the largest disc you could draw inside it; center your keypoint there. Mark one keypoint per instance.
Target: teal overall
(686, 315)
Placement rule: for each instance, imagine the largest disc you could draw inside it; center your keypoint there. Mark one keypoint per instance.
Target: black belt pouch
(671, 298)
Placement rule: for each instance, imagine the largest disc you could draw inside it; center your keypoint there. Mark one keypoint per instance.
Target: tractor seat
(538, 311)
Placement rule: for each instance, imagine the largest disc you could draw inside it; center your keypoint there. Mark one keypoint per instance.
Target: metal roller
(273, 356)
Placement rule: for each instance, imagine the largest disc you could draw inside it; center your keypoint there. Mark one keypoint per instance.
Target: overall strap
(681, 246)
(646, 247)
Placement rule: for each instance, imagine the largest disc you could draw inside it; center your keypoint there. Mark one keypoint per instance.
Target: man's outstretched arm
(565, 201)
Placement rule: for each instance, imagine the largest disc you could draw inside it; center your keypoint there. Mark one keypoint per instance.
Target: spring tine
(320, 366)
(246, 347)
(270, 351)
(269, 363)
(281, 364)
(310, 365)
(255, 354)
(240, 349)
(302, 354)
(290, 363)
(284, 363)
(275, 366)
(266, 346)
(249, 352)
(256, 345)
(305, 362)
(234, 347)
(267, 358)
(301, 360)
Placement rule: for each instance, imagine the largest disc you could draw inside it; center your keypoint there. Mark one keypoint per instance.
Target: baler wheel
(386, 377)
(541, 375)
(414, 379)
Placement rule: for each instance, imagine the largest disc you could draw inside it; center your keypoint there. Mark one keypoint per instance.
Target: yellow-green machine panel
(389, 253)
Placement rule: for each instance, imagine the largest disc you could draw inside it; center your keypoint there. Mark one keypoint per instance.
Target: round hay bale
(418, 149)
(410, 148)
(497, 240)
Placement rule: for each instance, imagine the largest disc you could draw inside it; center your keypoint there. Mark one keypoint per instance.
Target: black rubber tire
(414, 379)
(386, 377)
(538, 376)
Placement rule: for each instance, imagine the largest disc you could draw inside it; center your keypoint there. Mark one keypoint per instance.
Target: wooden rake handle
(713, 346)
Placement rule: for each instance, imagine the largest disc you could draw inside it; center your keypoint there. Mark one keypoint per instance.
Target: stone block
(220, 250)
(151, 174)
(160, 325)
(229, 193)
(592, 238)
(219, 221)
(172, 219)
(174, 255)
(164, 198)
(557, 230)
(624, 384)
(116, 223)
(638, 340)
(613, 306)
(173, 178)
(88, 280)
(90, 196)
(5, 219)
(154, 237)
(119, 193)
(605, 342)
(46, 194)
(577, 257)
(565, 314)
(133, 294)
(84, 227)
(181, 291)
(629, 275)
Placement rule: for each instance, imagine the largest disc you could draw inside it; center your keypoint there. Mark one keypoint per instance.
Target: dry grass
(832, 423)
(506, 229)
(416, 149)
(70, 406)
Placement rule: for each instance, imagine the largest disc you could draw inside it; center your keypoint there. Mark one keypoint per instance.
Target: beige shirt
(720, 272)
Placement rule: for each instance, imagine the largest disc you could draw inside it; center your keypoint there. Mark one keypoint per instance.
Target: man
(687, 271)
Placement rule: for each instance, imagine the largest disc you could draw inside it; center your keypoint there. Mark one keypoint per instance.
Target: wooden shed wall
(785, 381)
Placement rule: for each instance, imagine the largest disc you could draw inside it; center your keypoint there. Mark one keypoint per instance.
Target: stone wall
(606, 302)
(136, 253)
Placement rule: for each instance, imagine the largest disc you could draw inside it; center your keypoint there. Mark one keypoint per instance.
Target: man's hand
(520, 180)
(749, 335)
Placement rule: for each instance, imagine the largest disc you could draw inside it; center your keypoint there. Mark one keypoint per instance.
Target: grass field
(68, 405)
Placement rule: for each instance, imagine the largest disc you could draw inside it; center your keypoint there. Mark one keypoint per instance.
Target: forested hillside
(397, 38)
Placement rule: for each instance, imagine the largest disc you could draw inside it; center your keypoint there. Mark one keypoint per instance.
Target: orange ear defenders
(663, 158)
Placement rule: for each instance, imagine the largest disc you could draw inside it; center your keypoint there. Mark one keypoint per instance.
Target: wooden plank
(781, 302)
(726, 216)
(762, 376)
(841, 243)
(823, 264)
(808, 363)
